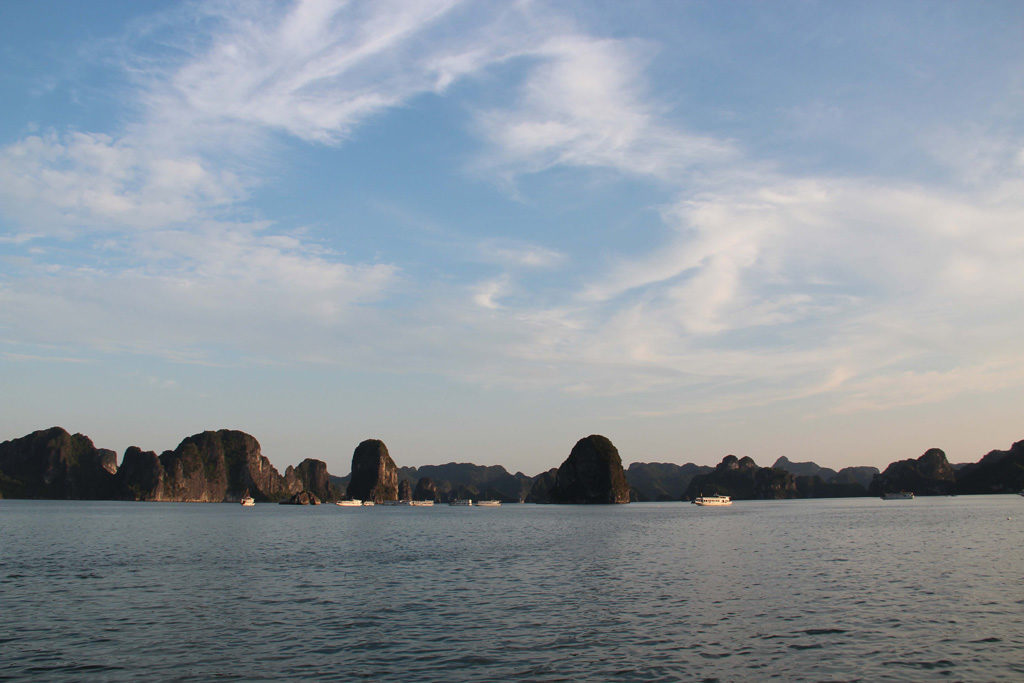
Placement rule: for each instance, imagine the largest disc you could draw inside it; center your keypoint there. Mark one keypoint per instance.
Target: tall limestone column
(374, 474)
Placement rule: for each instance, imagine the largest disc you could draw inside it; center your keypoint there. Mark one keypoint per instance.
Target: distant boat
(900, 495)
(393, 503)
(351, 503)
(712, 500)
(248, 501)
(421, 503)
(461, 502)
(367, 503)
(488, 503)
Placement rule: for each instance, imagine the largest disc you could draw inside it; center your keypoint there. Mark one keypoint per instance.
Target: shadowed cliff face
(51, 463)
(929, 475)
(742, 479)
(591, 474)
(425, 490)
(997, 472)
(374, 474)
(141, 476)
(661, 481)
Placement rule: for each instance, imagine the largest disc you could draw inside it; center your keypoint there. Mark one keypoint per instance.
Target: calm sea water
(855, 589)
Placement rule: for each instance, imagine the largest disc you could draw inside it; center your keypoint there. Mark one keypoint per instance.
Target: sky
(481, 231)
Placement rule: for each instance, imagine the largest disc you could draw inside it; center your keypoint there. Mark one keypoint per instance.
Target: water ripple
(801, 590)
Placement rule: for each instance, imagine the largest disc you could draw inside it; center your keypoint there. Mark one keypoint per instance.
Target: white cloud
(218, 288)
(583, 104)
(318, 69)
(90, 181)
(487, 293)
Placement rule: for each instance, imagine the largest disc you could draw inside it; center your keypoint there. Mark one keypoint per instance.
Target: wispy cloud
(584, 104)
(517, 254)
(90, 181)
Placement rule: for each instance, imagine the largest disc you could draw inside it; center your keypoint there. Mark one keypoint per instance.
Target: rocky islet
(225, 465)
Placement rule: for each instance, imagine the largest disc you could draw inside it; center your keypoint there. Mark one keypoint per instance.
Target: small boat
(712, 500)
(368, 503)
(488, 503)
(421, 503)
(350, 503)
(898, 495)
(247, 500)
(462, 502)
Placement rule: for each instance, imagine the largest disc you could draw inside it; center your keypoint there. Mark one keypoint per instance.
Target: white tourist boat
(488, 503)
(421, 503)
(350, 503)
(461, 502)
(898, 495)
(248, 501)
(368, 503)
(712, 500)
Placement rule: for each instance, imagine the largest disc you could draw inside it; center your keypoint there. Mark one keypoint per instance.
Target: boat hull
(712, 501)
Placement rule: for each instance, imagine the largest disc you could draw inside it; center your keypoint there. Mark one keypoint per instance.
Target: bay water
(815, 590)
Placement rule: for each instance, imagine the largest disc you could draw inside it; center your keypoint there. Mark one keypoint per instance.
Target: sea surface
(824, 590)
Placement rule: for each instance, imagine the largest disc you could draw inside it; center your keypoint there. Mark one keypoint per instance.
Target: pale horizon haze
(481, 231)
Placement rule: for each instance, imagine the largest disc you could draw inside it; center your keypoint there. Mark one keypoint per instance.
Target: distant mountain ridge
(223, 465)
(661, 481)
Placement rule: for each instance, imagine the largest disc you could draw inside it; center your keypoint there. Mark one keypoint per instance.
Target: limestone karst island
(225, 465)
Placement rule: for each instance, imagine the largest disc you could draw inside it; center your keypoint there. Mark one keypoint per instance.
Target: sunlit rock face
(374, 474)
(219, 466)
(310, 475)
(591, 474)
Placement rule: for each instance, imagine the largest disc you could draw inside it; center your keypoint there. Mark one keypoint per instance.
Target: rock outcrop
(804, 469)
(929, 475)
(861, 476)
(219, 466)
(141, 476)
(374, 475)
(661, 481)
(52, 463)
(302, 498)
(311, 475)
(997, 472)
(404, 490)
(814, 487)
(540, 490)
(742, 479)
(425, 490)
(466, 480)
(591, 474)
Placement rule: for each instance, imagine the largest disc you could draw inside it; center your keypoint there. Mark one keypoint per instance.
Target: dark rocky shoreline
(225, 465)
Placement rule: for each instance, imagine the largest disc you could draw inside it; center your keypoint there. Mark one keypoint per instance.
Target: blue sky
(481, 231)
